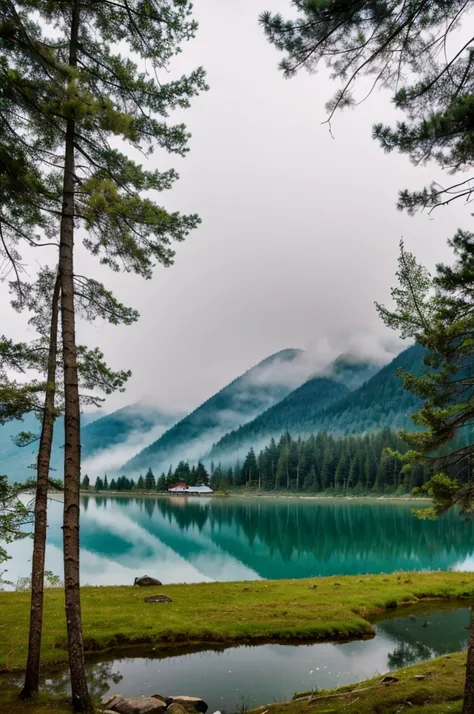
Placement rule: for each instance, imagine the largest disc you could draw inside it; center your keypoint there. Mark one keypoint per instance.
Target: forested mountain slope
(299, 410)
(380, 402)
(300, 407)
(241, 400)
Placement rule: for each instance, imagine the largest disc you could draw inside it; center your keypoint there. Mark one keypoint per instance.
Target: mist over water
(197, 540)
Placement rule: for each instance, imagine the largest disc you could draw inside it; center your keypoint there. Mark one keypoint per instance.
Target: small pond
(229, 679)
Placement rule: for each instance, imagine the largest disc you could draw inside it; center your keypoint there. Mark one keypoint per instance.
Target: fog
(299, 231)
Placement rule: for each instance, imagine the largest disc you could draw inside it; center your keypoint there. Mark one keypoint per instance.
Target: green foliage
(111, 95)
(150, 483)
(402, 48)
(445, 438)
(14, 515)
(326, 463)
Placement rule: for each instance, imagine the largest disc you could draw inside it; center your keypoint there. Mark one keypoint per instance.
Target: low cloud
(318, 358)
(110, 460)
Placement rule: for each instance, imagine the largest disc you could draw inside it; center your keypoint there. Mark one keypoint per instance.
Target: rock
(146, 581)
(389, 678)
(419, 676)
(176, 708)
(165, 700)
(111, 700)
(158, 598)
(191, 703)
(139, 705)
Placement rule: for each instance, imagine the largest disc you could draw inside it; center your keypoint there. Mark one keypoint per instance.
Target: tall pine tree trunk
(72, 448)
(468, 706)
(32, 673)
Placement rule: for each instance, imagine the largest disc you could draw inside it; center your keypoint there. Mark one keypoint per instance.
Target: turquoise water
(197, 539)
(234, 679)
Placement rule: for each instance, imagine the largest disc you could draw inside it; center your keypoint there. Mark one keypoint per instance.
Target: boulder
(165, 700)
(158, 598)
(389, 678)
(176, 708)
(145, 582)
(139, 705)
(190, 703)
(111, 700)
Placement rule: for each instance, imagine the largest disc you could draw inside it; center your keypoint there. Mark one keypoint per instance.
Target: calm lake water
(197, 539)
(230, 679)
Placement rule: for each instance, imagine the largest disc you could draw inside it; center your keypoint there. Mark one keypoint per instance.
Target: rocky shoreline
(154, 704)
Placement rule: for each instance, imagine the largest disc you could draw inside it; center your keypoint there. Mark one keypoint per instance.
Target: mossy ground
(10, 703)
(312, 609)
(440, 692)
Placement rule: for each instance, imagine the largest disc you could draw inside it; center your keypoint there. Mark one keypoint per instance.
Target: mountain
(117, 427)
(136, 423)
(299, 410)
(328, 404)
(250, 394)
(380, 402)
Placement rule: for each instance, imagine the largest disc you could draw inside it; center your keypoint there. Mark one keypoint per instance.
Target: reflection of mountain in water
(248, 539)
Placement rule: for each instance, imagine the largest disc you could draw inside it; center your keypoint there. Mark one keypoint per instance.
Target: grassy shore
(434, 687)
(316, 609)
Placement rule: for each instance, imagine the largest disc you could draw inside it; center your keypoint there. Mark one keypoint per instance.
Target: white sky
(300, 231)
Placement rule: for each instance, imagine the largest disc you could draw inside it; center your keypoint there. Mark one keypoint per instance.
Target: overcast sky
(300, 231)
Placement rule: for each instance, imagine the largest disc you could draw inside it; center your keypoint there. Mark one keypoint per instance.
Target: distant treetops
(193, 476)
(319, 463)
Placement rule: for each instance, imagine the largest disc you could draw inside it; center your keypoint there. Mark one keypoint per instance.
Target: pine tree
(141, 483)
(398, 45)
(439, 314)
(99, 484)
(106, 483)
(250, 469)
(150, 483)
(85, 482)
(202, 477)
(161, 483)
(63, 98)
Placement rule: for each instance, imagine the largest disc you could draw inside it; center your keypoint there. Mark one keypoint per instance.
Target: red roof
(179, 484)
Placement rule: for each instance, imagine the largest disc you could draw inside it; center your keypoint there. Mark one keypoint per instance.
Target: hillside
(301, 407)
(259, 388)
(327, 404)
(116, 428)
(380, 402)
(133, 422)
(298, 408)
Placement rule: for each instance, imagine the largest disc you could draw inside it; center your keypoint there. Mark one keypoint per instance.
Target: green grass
(439, 693)
(44, 704)
(314, 609)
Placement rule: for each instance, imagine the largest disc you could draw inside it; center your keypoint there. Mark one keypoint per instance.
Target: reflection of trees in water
(368, 537)
(439, 631)
(405, 654)
(326, 529)
(100, 677)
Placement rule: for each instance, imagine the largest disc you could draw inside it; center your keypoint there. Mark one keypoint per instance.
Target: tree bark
(468, 706)
(72, 447)
(32, 673)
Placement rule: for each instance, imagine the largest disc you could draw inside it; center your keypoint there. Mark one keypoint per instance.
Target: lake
(184, 539)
